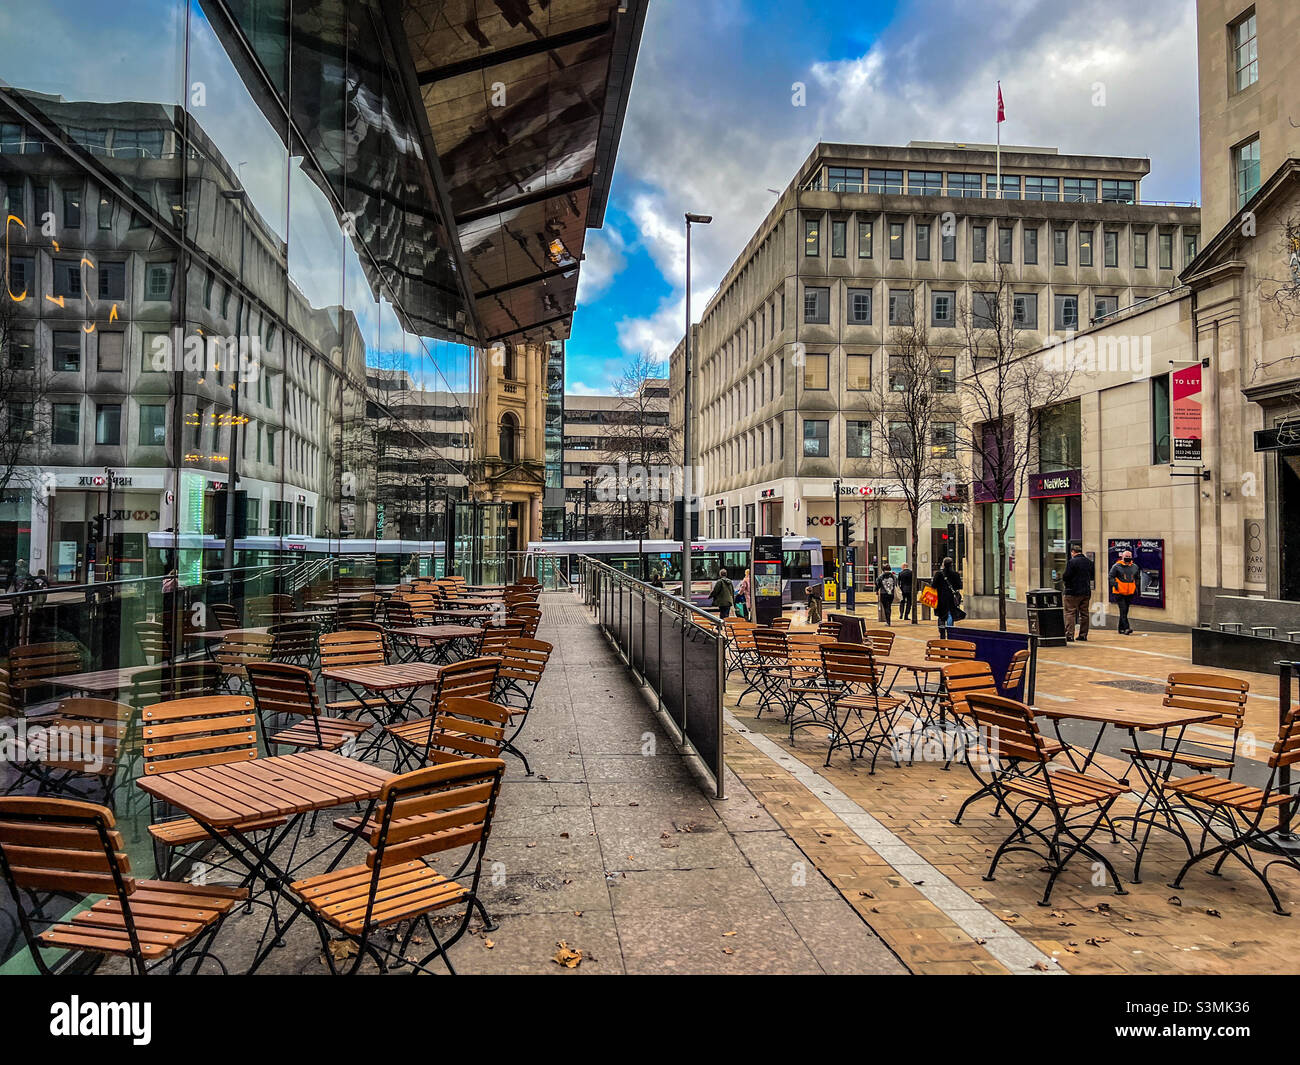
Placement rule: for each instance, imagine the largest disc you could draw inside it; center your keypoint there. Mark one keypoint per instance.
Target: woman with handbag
(947, 585)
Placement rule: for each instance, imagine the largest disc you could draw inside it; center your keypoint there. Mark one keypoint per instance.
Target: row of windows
(943, 308)
(72, 279)
(923, 241)
(857, 438)
(963, 185)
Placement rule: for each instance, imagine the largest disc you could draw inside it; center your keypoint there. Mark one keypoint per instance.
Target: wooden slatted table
(290, 786)
(386, 681)
(433, 639)
(104, 682)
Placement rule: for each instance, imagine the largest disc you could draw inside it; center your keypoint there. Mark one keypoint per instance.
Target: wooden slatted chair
(349, 613)
(771, 653)
(267, 609)
(355, 647)
(493, 638)
(470, 678)
(960, 679)
(398, 613)
(31, 666)
(237, 651)
(829, 628)
(738, 641)
(530, 616)
(294, 641)
(154, 640)
(1013, 681)
(422, 813)
(178, 681)
(781, 622)
(68, 847)
(881, 641)
(949, 651)
(1077, 802)
(192, 733)
(77, 747)
(851, 667)
(1235, 818)
(284, 691)
(224, 615)
(1225, 696)
(523, 662)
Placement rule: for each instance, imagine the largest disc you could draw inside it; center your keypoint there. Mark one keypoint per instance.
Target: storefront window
(996, 517)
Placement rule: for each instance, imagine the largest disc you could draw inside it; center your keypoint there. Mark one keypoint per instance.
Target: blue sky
(711, 124)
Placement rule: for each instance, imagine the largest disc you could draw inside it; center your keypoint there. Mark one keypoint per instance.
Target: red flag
(1002, 111)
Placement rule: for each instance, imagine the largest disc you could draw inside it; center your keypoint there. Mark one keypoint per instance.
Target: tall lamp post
(688, 490)
(586, 509)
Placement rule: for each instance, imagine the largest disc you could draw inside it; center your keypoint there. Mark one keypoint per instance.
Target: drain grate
(1146, 687)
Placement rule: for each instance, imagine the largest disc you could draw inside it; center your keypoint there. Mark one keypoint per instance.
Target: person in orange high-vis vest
(1123, 587)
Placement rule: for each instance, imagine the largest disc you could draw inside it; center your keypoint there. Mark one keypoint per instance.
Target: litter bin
(1046, 616)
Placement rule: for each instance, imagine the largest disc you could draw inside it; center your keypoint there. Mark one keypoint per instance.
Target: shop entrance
(1288, 479)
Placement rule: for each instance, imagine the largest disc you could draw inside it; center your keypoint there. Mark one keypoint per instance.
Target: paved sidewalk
(613, 848)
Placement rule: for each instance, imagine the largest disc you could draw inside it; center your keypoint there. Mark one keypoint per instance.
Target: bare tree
(639, 446)
(916, 420)
(1283, 293)
(1008, 384)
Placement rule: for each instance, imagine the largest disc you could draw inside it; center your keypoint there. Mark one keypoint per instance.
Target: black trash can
(1046, 616)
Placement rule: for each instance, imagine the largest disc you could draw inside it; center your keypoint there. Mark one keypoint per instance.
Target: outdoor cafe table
(1132, 719)
(289, 786)
(102, 682)
(922, 699)
(433, 639)
(221, 634)
(387, 681)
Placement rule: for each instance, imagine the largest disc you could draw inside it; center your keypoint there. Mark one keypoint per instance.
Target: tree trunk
(1002, 575)
(916, 572)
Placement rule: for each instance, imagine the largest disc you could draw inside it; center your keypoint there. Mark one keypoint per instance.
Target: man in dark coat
(1077, 587)
(905, 584)
(947, 585)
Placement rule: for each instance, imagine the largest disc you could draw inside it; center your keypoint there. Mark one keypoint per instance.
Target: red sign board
(1186, 414)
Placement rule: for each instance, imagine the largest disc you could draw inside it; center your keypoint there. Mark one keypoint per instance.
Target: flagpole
(998, 123)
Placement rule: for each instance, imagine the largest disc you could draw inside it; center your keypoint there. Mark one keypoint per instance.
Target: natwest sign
(1060, 483)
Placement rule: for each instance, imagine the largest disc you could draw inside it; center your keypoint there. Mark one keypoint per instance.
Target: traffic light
(846, 531)
(97, 524)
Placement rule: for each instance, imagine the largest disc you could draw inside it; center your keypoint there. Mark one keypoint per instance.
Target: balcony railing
(820, 184)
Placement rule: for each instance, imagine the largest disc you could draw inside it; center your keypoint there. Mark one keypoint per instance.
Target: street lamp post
(586, 509)
(839, 551)
(688, 490)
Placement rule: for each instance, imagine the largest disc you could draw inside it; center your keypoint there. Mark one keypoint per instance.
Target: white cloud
(711, 127)
(603, 261)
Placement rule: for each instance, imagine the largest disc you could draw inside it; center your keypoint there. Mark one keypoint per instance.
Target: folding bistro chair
(282, 691)
(493, 638)
(523, 661)
(472, 678)
(225, 615)
(530, 616)
(66, 847)
(239, 650)
(422, 813)
(772, 654)
(852, 668)
(1078, 803)
(356, 647)
(31, 666)
(348, 613)
(155, 641)
(1013, 681)
(294, 641)
(78, 748)
(949, 650)
(189, 734)
(1232, 814)
(881, 640)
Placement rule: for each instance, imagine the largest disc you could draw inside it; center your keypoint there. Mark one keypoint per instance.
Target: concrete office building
(792, 351)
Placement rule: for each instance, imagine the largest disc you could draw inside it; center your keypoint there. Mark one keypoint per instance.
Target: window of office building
(1245, 166)
(112, 281)
(67, 279)
(896, 240)
(924, 183)
(67, 350)
(71, 208)
(900, 373)
(1042, 188)
(22, 349)
(922, 241)
(1010, 186)
(1115, 190)
(1189, 248)
(816, 305)
(1104, 306)
(812, 237)
(900, 306)
(948, 244)
(1031, 245)
(839, 239)
(816, 372)
(859, 303)
(1110, 247)
(943, 309)
(1006, 234)
(153, 425)
(65, 423)
(900, 438)
(858, 373)
(887, 182)
(158, 281)
(866, 232)
(1086, 236)
(983, 307)
(963, 185)
(1061, 247)
(816, 438)
(22, 274)
(108, 423)
(1080, 190)
(1067, 311)
(857, 442)
(945, 373)
(1166, 251)
(979, 241)
(105, 213)
(1245, 54)
(110, 345)
(1024, 310)
(943, 439)
(1140, 250)
(844, 178)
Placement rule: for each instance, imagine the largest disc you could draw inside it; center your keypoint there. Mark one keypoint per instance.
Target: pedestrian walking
(947, 586)
(813, 593)
(886, 587)
(1077, 586)
(1123, 588)
(742, 597)
(906, 582)
(723, 594)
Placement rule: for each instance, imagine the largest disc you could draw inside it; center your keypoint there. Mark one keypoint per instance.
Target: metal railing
(673, 647)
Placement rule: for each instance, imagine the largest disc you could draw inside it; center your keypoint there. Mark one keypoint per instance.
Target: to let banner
(1186, 401)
